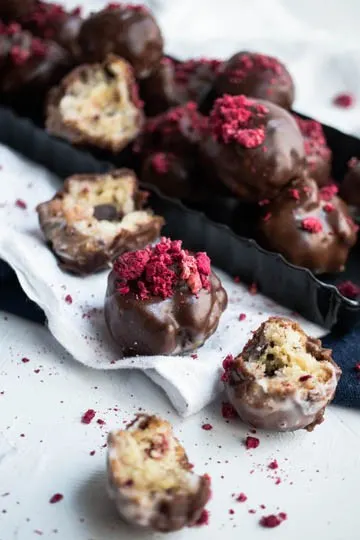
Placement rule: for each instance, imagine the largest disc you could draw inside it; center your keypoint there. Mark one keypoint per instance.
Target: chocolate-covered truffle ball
(175, 83)
(283, 379)
(12, 10)
(28, 64)
(95, 218)
(163, 300)
(350, 186)
(96, 104)
(317, 153)
(258, 76)
(311, 227)
(127, 30)
(178, 130)
(151, 479)
(51, 21)
(170, 173)
(254, 147)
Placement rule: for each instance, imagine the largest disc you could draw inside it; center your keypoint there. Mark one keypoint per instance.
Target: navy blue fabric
(346, 347)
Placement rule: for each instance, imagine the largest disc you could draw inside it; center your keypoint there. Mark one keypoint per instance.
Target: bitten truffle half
(163, 300)
(311, 227)
(283, 379)
(127, 30)
(96, 105)
(95, 218)
(150, 477)
(253, 147)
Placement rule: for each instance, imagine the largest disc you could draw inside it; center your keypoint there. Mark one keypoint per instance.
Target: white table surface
(319, 472)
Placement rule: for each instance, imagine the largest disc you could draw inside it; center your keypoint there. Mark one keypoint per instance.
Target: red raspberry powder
(238, 119)
(160, 163)
(349, 289)
(68, 299)
(159, 270)
(242, 316)
(329, 207)
(311, 225)
(185, 119)
(207, 427)
(305, 378)
(185, 70)
(251, 442)
(273, 521)
(294, 194)
(227, 364)
(21, 204)
(203, 519)
(314, 138)
(328, 192)
(56, 498)
(25, 360)
(228, 411)
(88, 416)
(344, 100)
(273, 464)
(251, 64)
(241, 497)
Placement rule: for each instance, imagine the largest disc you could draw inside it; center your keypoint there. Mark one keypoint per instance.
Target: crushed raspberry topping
(273, 520)
(160, 162)
(267, 216)
(248, 64)
(241, 497)
(68, 299)
(328, 192)
(313, 133)
(172, 120)
(88, 416)
(344, 100)
(21, 204)
(227, 365)
(228, 411)
(203, 519)
(46, 16)
(238, 119)
(305, 378)
(242, 316)
(329, 207)
(251, 442)
(132, 7)
(25, 360)
(294, 193)
(56, 498)
(311, 225)
(158, 270)
(273, 464)
(184, 70)
(349, 289)
(207, 427)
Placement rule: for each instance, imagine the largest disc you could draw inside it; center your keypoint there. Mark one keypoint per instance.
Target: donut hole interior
(99, 104)
(149, 459)
(283, 353)
(101, 208)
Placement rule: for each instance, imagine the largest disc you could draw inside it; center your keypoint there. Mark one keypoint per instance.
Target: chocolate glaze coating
(282, 230)
(170, 173)
(155, 326)
(127, 31)
(80, 253)
(290, 405)
(350, 186)
(169, 510)
(28, 64)
(258, 76)
(175, 83)
(51, 21)
(258, 173)
(317, 153)
(11, 10)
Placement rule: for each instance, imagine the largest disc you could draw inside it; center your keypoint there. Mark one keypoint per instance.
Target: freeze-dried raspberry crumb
(251, 442)
(203, 519)
(267, 216)
(273, 520)
(273, 464)
(25, 360)
(253, 289)
(88, 416)
(92, 453)
(344, 100)
(329, 207)
(328, 192)
(56, 498)
(194, 356)
(207, 427)
(228, 411)
(241, 497)
(227, 365)
(242, 316)
(68, 299)
(21, 204)
(311, 225)
(295, 194)
(231, 511)
(160, 162)
(305, 378)
(238, 119)
(278, 481)
(349, 289)
(158, 270)
(101, 422)
(185, 70)
(36, 370)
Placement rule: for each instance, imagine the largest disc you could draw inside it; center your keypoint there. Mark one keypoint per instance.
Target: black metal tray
(297, 288)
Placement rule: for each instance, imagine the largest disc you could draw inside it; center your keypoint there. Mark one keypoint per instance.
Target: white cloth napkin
(191, 383)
